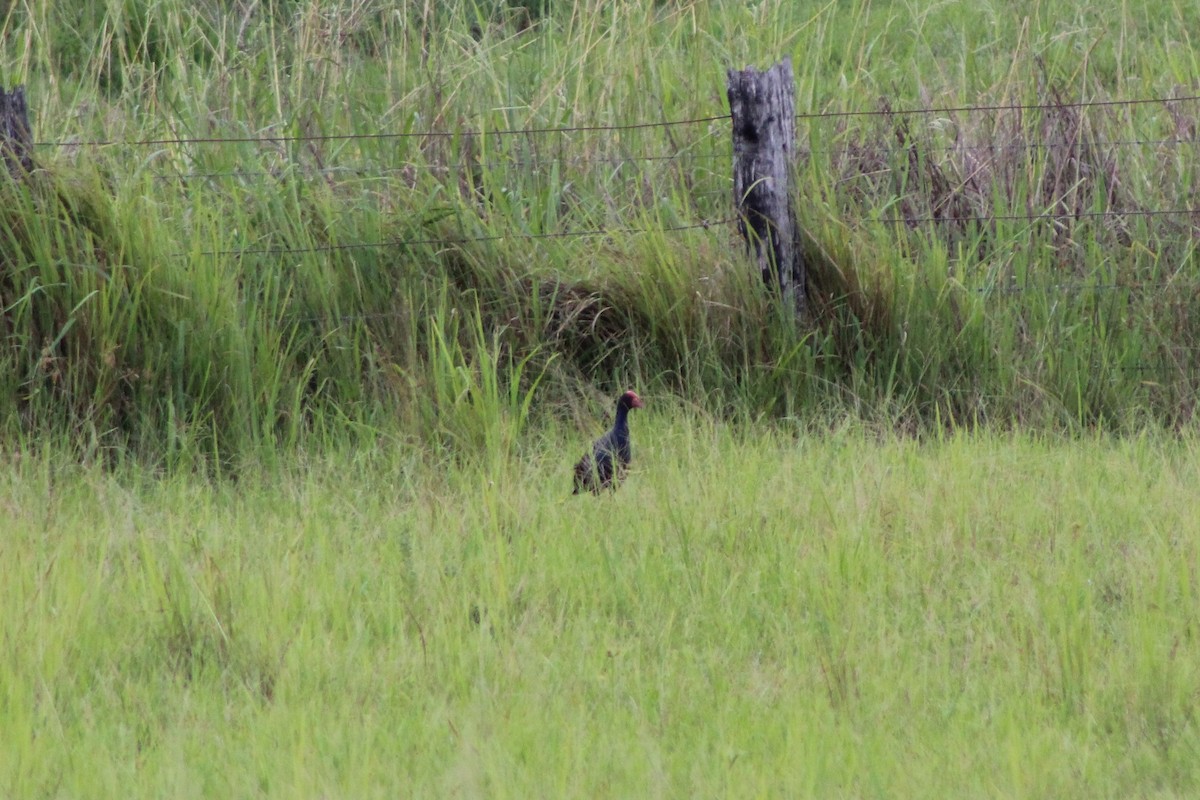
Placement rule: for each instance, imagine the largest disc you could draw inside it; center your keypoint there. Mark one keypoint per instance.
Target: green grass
(286, 419)
(831, 614)
(211, 302)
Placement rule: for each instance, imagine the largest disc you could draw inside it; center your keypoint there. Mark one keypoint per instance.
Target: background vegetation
(242, 239)
(312, 303)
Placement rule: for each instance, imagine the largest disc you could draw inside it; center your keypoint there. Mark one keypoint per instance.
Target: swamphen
(605, 466)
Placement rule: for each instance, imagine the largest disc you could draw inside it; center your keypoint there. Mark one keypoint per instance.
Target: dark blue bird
(605, 466)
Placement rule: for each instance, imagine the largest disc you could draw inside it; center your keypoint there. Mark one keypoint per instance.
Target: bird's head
(630, 400)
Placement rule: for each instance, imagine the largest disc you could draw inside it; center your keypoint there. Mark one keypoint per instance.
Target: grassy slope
(988, 615)
(138, 323)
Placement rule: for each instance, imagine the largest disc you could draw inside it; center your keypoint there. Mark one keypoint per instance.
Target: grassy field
(832, 614)
(297, 352)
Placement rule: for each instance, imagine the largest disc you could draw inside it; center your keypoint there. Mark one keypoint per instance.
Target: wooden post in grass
(764, 143)
(16, 137)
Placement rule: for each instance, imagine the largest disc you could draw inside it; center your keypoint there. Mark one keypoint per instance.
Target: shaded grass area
(843, 613)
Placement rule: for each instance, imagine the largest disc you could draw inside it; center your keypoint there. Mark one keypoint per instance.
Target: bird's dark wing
(585, 476)
(604, 467)
(594, 472)
(625, 452)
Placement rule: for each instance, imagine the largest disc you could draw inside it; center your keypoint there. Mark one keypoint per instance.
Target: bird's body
(605, 466)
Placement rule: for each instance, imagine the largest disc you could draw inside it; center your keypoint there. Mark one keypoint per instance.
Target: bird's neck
(620, 423)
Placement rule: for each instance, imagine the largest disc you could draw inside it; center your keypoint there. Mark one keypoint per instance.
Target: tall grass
(197, 301)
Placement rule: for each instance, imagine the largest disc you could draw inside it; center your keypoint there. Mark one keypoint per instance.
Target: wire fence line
(339, 137)
(1178, 358)
(615, 161)
(409, 169)
(1013, 145)
(1044, 216)
(546, 131)
(1044, 106)
(550, 159)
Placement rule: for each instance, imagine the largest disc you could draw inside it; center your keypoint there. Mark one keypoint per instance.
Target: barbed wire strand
(341, 137)
(1049, 105)
(537, 131)
(1045, 215)
(848, 151)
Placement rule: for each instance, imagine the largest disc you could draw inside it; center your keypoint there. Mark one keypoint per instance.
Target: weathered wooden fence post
(764, 139)
(16, 137)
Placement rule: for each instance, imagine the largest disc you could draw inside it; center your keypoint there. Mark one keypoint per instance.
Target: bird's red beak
(637, 401)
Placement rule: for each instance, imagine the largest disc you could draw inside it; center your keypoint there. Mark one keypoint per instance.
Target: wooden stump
(764, 138)
(16, 137)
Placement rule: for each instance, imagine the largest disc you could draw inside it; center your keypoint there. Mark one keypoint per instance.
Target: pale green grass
(753, 614)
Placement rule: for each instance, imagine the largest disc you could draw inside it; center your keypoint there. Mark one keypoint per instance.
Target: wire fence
(1044, 216)
(542, 163)
(712, 149)
(537, 131)
(549, 157)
